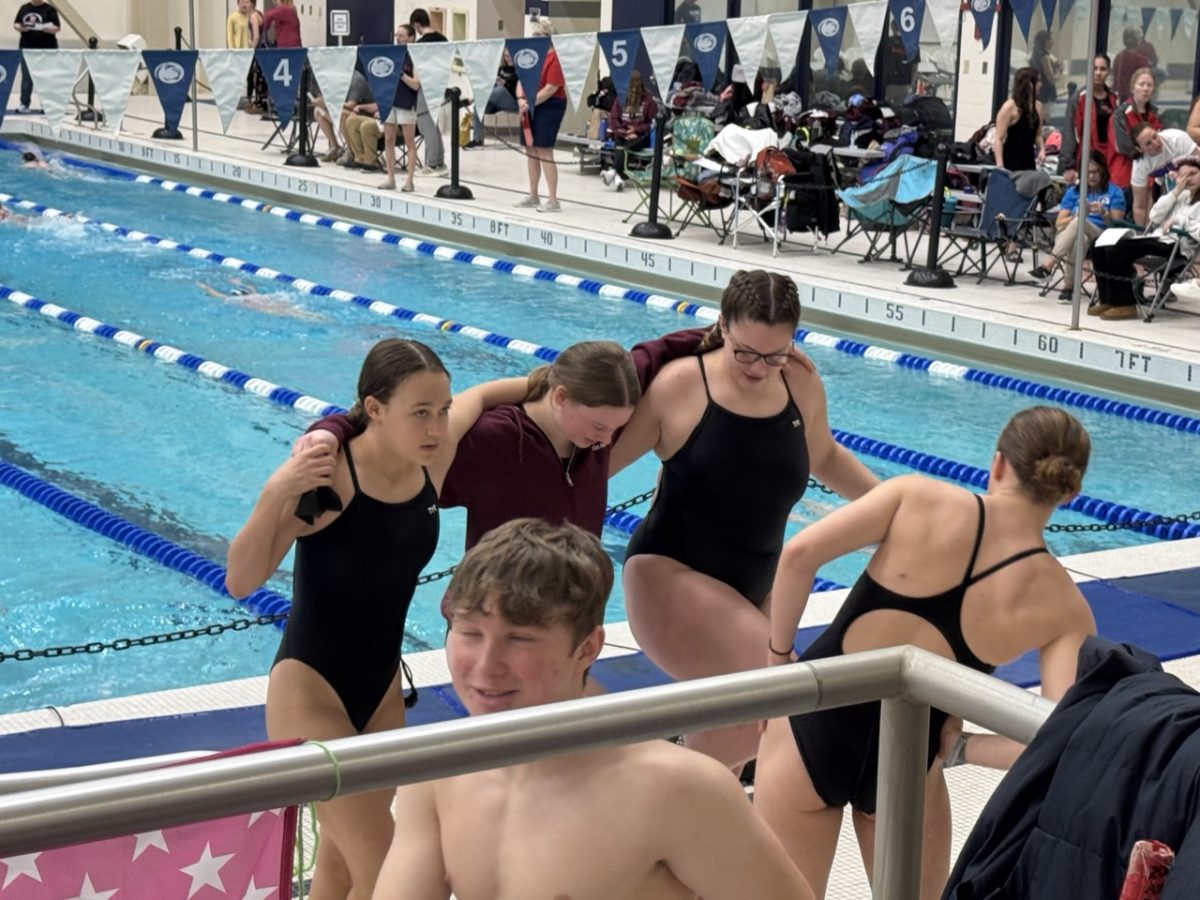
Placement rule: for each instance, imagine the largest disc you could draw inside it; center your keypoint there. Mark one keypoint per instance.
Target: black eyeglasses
(748, 357)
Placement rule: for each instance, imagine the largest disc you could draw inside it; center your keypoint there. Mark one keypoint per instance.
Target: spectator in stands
(237, 27)
(544, 116)
(1047, 66)
(1105, 207)
(283, 21)
(1175, 211)
(435, 154)
(1131, 58)
(1193, 122)
(1104, 103)
(361, 128)
(899, 72)
(688, 12)
(37, 21)
(1019, 145)
(1155, 150)
(256, 82)
(403, 116)
(861, 80)
(629, 127)
(525, 610)
(1138, 110)
(503, 98)
(965, 576)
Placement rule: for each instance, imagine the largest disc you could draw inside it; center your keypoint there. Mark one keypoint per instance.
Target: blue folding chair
(891, 203)
(1007, 224)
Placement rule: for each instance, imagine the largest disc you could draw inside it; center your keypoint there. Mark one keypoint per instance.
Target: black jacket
(1117, 761)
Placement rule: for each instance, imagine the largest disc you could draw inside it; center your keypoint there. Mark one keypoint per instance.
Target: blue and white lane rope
(241, 380)
(1106, 511)
(1064, 396)
(264, 602)
(527, 348)
(1093, 507)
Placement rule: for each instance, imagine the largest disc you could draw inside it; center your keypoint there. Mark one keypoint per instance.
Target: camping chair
(1161, 273)
(689, 135)
(1007, 223)
(705, 197)
(889, 205)
(758, 191)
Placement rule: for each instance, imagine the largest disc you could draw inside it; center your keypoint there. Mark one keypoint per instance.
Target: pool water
(184, 456)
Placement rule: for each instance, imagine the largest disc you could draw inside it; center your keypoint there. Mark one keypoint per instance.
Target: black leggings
(621, 150)
(1114, 270)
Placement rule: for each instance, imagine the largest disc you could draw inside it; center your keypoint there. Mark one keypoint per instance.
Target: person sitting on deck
(647, 820)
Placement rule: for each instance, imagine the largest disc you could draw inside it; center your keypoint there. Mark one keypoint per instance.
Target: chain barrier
(1136, 525)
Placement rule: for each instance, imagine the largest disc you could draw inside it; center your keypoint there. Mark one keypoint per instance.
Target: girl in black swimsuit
(956, 574)
(738, 436)
(337, 671)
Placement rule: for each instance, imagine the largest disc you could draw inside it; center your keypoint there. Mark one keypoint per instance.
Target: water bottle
(603, 132)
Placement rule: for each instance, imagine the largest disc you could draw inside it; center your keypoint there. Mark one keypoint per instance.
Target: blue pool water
(184, 457)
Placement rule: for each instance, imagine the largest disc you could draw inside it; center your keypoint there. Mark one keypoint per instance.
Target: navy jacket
(1117, 761)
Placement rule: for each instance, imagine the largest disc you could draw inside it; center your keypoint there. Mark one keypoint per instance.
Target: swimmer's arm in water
(829, 461)
(861, 523)
(210, 290)
(414, 868)
(467, 407)
(262, 543)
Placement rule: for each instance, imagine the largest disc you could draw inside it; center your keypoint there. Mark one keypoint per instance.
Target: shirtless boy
(641, 822)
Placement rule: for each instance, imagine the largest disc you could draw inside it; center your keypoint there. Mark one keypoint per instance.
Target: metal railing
(907, 680)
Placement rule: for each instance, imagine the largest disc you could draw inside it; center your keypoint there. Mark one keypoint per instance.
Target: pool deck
(1004, 326)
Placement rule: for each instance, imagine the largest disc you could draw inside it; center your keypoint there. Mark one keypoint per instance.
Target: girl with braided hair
(738, 434)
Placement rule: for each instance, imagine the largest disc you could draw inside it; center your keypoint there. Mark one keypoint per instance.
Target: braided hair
(758, 296)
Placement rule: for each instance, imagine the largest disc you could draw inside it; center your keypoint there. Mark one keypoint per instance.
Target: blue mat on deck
(1160, 613)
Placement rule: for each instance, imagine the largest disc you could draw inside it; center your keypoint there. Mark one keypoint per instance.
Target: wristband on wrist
(787, 652)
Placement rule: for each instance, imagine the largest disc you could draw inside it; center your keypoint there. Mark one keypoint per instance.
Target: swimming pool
(184, 456)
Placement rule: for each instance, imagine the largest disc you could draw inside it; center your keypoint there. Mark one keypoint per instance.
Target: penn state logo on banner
(10, 62)
(282, 69)
(984, 12)
(909, 15)
(621, 50)
(528, 56)
(706, 40)
(172, 72)
(383, 65)
(829, 25)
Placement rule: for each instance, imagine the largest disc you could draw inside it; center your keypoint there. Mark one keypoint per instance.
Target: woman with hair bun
(960, 575)
(738, 430)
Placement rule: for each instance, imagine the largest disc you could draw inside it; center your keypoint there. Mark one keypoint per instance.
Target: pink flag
(243, 857)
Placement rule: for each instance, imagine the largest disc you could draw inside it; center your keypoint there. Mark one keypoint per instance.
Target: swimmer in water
(31, 159)
(7, 216)
(276, 304)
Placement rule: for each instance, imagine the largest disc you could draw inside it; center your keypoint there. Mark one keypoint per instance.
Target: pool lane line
(1033, 389)
(250, 384)
(379, 307)
(1064, 396)
(1104, 510)
(264, 602)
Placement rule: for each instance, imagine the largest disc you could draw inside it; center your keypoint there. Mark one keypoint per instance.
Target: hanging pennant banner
(1048, 11)
(787, 31)
(706, 40)
(432, 61)
(1189, 23)
(575, 54)
(621, 50)
(1176, 15)
(1147, 17)
(282, 68)
(1022, 11)
(984, 12)
(1064, 9)
(829, 25)
(909, 16)
(528, 56)
(112, 74)
(226, 71)
(382, 64)
(749, 36)
(869, 19)
(54, 73)
(333, 68)
(662, 45)
(10, 65)
(481, 59)
(172, 72)
(945, 22)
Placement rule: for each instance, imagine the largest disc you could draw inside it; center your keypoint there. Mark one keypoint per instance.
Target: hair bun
(1057, 476)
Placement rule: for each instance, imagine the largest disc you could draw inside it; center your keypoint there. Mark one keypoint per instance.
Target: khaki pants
(362, 134)
(1064, 246)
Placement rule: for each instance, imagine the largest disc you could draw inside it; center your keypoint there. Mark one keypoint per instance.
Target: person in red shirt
(629, 125)
(1137, 110)
(286, 22)
(1104, 103)
(544, 115)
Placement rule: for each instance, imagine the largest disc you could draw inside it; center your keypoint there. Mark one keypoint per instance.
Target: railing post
(303, 156)
(900, 816)
(454, 190)
(931, 275)
(90, 113)
(652, 228)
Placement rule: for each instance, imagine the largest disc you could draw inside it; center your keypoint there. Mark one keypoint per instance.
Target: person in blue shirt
(1105, 207)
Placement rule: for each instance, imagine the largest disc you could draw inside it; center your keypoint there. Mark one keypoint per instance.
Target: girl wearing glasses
(738, 434)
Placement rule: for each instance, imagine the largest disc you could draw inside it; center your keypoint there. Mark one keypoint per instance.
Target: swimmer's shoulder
(677, 377)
